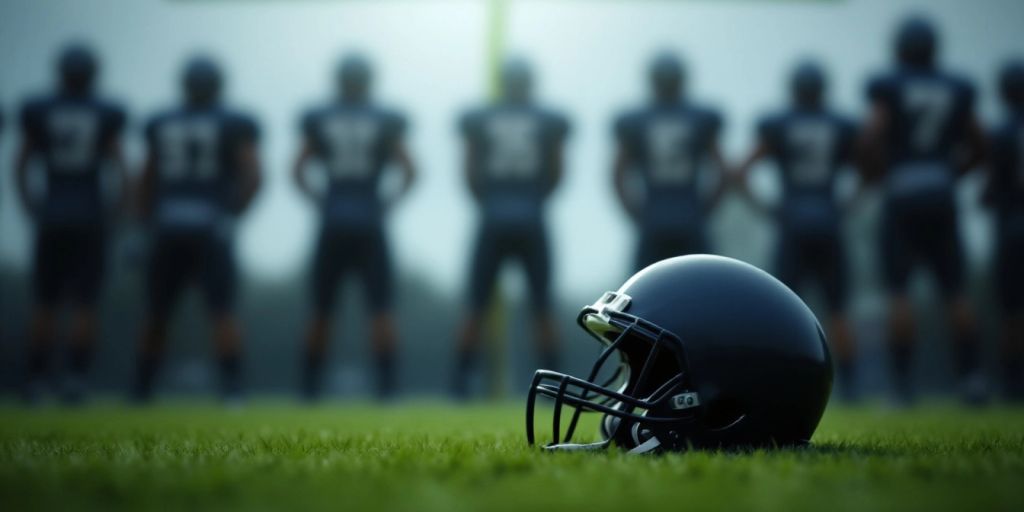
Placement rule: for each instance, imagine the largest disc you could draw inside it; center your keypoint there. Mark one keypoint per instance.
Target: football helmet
(808, 84)
(77, 67)
(917, 42)
(667, 75)
(202, 81)
(1011, 83)
(707, 352)
(354, 76)
(516, 79)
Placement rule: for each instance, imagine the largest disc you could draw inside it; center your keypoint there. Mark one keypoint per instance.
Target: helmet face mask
(658, 390)
(761, 382)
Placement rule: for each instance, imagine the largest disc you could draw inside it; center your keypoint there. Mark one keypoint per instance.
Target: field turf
(444, 458)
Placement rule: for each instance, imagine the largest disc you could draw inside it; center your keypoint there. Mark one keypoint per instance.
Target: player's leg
(896, 262)
(483, 273)
(1009, 274)
(85, 289)
(168, 269)
(46, 286)
(323, 284)
(378, 282)
(947, 262)
(833, 276)
(536, 256)
(219, 276)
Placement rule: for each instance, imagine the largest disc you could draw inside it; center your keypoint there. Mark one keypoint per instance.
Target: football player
(74, 136)
(921, 135)
(513, 162)
(202, 170)
(354, 141)
(810, 144)
(1006, 194)
(666, 145)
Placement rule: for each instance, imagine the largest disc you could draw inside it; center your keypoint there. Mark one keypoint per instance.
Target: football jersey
(195, 153)
(70, 136)
(1007, 170)
(513, 147)
(354, 143)
(809, 147)
(669, 145)
(928, 114)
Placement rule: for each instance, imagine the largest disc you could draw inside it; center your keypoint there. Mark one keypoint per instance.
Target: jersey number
(350, 142)
(929, 105)
(513, 147)
(189, 149)
(669, 145)
(811, 145)
(73, 134)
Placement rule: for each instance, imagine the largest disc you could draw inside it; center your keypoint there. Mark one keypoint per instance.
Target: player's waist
(191, 211)
(916, 178)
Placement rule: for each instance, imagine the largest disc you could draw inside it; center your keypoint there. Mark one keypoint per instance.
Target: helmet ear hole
(722, 412)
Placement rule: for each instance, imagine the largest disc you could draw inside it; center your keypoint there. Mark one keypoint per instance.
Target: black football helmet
(1011, 84)
(202, 81)
(917, 42)
(711, 353)
(808, 84)
(77, 67)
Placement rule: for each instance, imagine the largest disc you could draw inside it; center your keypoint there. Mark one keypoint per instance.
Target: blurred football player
(664, 146)
(354, 141)
(921, 135)
(202, 170)
(513, 162)
(810, 144)
(1006, 194)
(74, 136)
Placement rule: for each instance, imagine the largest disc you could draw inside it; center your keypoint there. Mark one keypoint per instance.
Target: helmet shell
(753, 351)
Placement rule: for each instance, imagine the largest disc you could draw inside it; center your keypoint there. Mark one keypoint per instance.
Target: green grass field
(443, 458)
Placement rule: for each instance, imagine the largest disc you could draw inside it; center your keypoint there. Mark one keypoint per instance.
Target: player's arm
(871, 154)
(114, 155)
(407, 168)
(145, 188)
(249, 173)
(998, 156)
(22, 161)
(557, 167)
(975, 147)
(621, 168)
(742, 176)
(299, 169)
(726, 176)
(471, 173)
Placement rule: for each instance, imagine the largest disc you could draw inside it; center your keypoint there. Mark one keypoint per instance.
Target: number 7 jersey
(928, 113)
(70, 136)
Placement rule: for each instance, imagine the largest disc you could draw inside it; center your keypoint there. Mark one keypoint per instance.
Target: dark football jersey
(928, 112)
(354, 142)
(514, 150)
(70, 136)
(809, 148)
(669, 145)
(1007, 169)
(196, 156)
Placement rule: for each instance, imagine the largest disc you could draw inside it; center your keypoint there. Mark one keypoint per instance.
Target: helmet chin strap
(646, 447)
(578, 447)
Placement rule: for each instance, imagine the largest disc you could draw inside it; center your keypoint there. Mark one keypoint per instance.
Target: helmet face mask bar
(666, 402)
